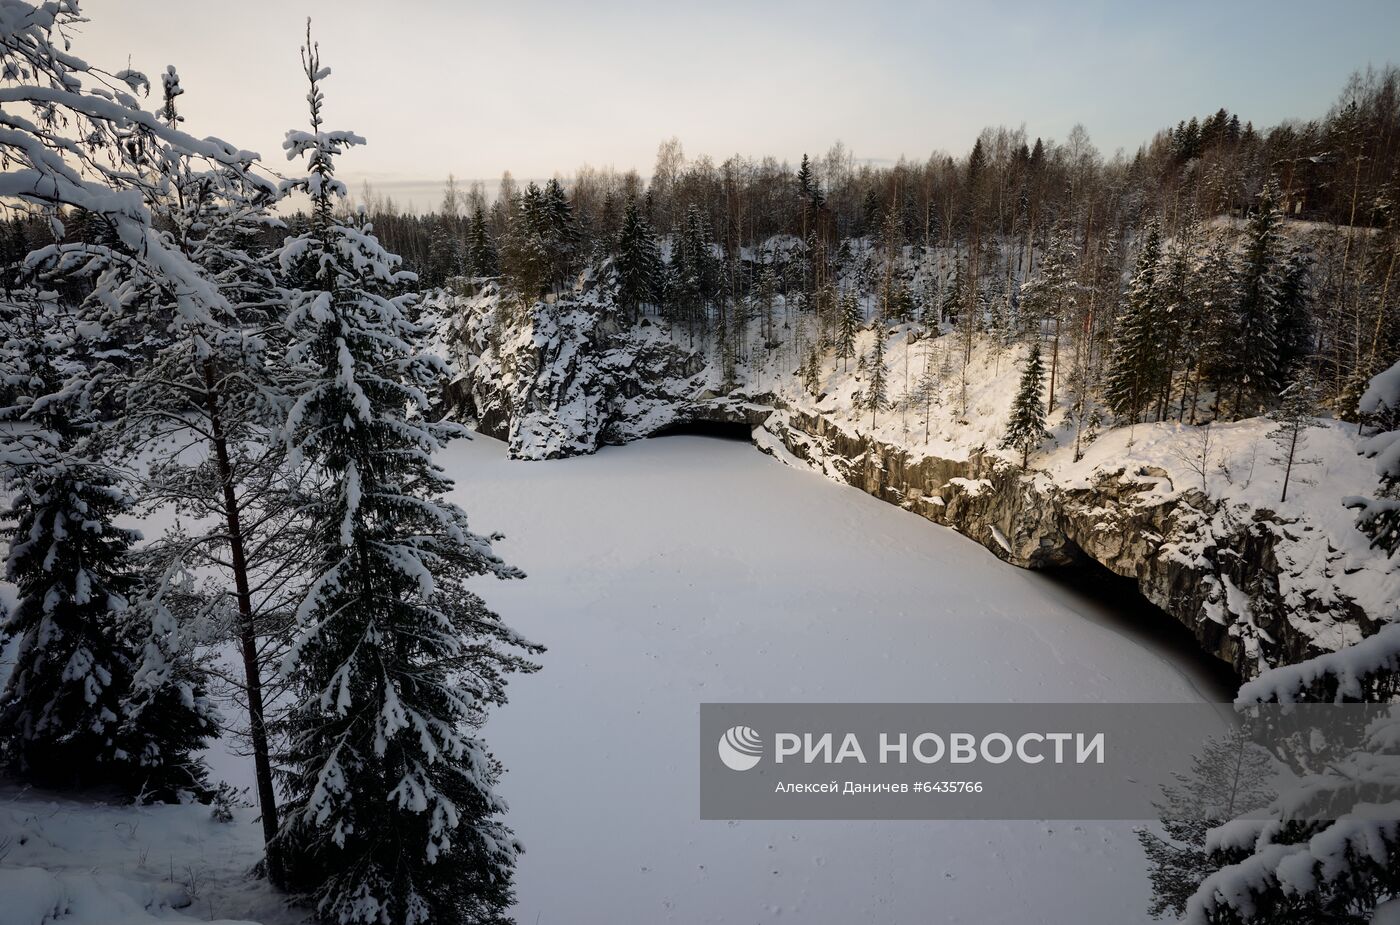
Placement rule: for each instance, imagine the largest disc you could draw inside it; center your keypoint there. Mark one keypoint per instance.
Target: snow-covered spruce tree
(1379, 517)
(1026, 429)
(876, 397)
(482, 260)
(848, 326)
(1134, 370)
(100, 694)
(1300, 860)
(810, 371)
(391, 814)
(1252, 359)
(693, 270)
(639, 266)
(1179, 312)
(1215, 289)
(73, 136)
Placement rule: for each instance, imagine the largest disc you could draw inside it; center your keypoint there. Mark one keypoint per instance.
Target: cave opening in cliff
(721, 430)
(1115, 601)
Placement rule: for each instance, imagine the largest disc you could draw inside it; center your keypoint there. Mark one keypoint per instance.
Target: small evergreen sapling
(1292, 419)
(1227, 779)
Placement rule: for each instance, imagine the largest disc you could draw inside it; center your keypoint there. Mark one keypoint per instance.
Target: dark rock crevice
(702, 427)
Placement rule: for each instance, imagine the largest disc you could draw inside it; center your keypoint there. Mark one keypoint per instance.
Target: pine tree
(806, 183)
(392, 814)
(526, 257)
(1306, 856)
(1179, 313)
(811, 371)
(767, 295)
(1295, 329)
(1134, 374)
(1055, 293)
(693, 269)
(57, 102)
(1026, 429)
(927, 392)
(1214, 287)
(561, 232)
(444, 253)
(955, 295)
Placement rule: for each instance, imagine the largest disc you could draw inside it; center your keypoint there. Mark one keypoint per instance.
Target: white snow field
(684, 569)
(664, 574)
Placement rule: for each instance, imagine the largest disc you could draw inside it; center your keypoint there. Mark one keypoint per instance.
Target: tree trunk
(257, 727)
(1288, 470)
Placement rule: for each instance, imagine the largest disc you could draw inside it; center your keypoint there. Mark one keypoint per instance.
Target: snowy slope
(85, 863)
(1318, 582)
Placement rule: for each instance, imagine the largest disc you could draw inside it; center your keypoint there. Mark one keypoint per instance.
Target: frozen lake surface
(688, 569)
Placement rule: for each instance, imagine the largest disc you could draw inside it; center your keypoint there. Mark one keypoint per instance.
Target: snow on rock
(562, 378)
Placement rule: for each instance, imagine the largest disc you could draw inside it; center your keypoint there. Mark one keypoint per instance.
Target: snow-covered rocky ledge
(1192, 515)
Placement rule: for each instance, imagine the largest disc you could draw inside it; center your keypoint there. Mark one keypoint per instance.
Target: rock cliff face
(1217, 574)
(1255, 588)
(564, 378)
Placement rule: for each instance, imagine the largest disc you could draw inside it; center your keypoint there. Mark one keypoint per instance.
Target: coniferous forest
(232, 397)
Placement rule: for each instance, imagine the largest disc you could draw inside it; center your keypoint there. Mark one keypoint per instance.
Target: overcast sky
(474, 88)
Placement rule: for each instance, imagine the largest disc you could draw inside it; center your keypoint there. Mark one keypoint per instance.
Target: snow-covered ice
(681, 570)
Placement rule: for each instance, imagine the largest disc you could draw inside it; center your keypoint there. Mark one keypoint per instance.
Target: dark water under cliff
(1115, 601)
